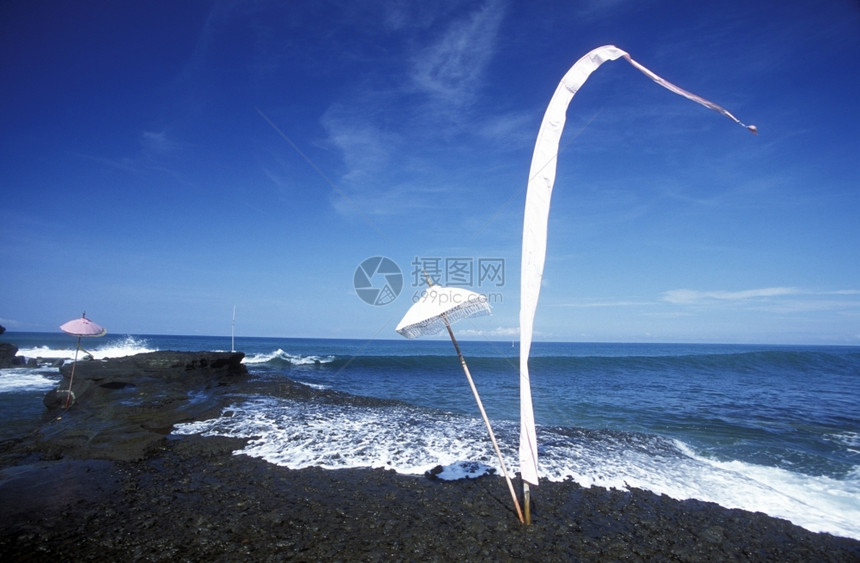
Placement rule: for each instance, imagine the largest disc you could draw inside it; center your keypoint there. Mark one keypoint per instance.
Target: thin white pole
(72, 376)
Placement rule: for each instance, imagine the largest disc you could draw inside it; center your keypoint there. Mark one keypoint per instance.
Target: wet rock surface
(7, 355)
(122, 408)
(105, 481)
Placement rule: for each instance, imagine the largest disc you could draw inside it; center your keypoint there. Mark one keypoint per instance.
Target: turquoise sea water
(767, 428)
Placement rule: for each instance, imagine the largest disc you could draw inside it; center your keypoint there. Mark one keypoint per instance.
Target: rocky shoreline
(105, 480)
(195, 501)
(123, 408)
(9, 357)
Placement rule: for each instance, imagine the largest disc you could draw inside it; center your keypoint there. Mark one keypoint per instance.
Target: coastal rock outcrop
(7, 355)
(150, 373)
(122, 408)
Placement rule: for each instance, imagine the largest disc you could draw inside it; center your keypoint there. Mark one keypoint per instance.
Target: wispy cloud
(607, 303)
(596, 9)
(453, 66)
(383, 148)
(695, 297)
(491, 333)
(780, 300)
(9, 323)
(157, 152)
(513, 129)
(157, 142)
(365, 146)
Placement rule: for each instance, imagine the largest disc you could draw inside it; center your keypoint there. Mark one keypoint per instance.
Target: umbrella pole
(486, 420)
(72, 376)
(527, 503)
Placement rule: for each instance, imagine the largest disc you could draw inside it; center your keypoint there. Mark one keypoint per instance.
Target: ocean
(774, 429)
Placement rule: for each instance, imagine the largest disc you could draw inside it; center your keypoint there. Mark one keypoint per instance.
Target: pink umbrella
(80, 328)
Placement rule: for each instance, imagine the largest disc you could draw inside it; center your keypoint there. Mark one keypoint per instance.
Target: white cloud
(9, 322)
(511, 129)
(778, 300)
(695, 297)
(453, 66)
(156, 142)
(365, 146)
(609, 303)
(495, 332)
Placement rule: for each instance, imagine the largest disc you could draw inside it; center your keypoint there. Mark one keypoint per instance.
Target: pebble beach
(193, 500)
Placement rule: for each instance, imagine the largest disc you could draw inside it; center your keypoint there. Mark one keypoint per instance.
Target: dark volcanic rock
(7, 355)
(122, 408)
(161, 365)
(101, 481)
(195, 501)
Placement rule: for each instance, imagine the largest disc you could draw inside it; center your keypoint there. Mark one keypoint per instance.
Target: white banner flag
(541, 180)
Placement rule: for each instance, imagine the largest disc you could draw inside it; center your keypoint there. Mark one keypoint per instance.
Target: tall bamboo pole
(72, 376)
(486, 420)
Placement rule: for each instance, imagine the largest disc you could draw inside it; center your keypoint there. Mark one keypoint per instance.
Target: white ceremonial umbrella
(80, 327)
(434, 312)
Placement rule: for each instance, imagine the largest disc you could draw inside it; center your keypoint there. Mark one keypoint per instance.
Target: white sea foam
(98, 349)
(301, 435)
(851, 440)
(818, 503)
(48, 353)
(128, 346)
(409, 441)
(317, 386)
(24, 379)
(292, 359)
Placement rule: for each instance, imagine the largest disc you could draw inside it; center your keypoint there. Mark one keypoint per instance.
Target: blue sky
(161, 162)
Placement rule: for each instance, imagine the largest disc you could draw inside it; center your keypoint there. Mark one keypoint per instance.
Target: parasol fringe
(433, 326)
